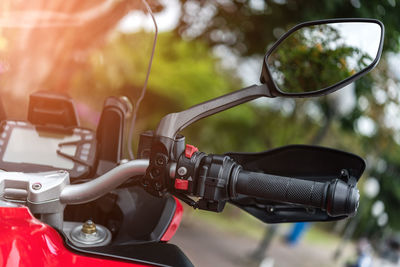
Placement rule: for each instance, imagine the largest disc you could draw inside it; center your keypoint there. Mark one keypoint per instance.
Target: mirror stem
(173, 123)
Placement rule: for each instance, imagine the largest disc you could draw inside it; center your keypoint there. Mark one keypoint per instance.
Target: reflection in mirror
(318, 56)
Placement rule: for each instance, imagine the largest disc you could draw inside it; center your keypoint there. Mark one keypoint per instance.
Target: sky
(166, 20)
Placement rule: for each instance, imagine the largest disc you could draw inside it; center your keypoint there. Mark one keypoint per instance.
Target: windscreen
(88, 49)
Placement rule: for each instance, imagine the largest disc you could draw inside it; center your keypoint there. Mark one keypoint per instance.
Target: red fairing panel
(25, 241)
(176, 220)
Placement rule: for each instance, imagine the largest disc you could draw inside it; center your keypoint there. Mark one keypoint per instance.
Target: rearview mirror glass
(319, 57)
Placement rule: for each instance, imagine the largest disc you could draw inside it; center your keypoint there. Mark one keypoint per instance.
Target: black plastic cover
(302, 161)
(156, 254)
(298, 161)
(52, 109)
(110, 134)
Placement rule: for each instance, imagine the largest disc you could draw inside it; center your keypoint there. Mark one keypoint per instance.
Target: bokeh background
(206, 49)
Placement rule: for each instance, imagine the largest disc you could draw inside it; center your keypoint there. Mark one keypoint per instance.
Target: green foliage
(314, 58)
(187, 72)
(253, 29)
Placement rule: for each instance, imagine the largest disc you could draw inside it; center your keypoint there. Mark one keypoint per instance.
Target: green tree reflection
(314, 58)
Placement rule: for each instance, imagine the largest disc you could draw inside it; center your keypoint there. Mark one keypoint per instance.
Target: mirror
(322, 55)
(300, 64)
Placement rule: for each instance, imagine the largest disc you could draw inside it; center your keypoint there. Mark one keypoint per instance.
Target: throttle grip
(336, 197)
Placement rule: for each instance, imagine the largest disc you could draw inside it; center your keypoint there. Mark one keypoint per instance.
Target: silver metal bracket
(39, 191)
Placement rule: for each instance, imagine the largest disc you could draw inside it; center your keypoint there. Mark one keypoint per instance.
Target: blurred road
(206, 246)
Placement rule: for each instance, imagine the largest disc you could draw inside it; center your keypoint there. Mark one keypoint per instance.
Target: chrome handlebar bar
(49, 192)
(89, 191)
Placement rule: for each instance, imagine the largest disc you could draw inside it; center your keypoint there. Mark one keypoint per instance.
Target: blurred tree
(314, 58)
(249, 26)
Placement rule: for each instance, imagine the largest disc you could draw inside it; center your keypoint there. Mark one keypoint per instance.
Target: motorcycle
(58, 174)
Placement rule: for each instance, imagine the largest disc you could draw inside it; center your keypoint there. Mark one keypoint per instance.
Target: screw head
(271, 209)
(182, 171)
(160, 161)
(89, 227)
(344, 174)
(36, 186)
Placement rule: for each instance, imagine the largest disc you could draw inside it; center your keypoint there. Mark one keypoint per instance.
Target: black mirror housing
(267, 76)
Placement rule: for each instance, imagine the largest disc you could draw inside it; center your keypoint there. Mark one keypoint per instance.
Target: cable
(137, 104)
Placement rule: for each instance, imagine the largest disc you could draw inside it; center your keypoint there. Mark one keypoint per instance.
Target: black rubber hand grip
(282, 189)
(336, 197)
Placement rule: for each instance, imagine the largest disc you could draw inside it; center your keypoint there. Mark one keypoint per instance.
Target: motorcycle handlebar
(221, 179)
(88, 191)
(336, 197)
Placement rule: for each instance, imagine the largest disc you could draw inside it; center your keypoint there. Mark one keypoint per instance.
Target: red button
(181, 184)
(189, 151)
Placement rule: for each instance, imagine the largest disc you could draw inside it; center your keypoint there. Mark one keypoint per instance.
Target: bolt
(182, 171)
(36, 186)
(271, 209)
(344, 174)
(160, 161)
(89, 227)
